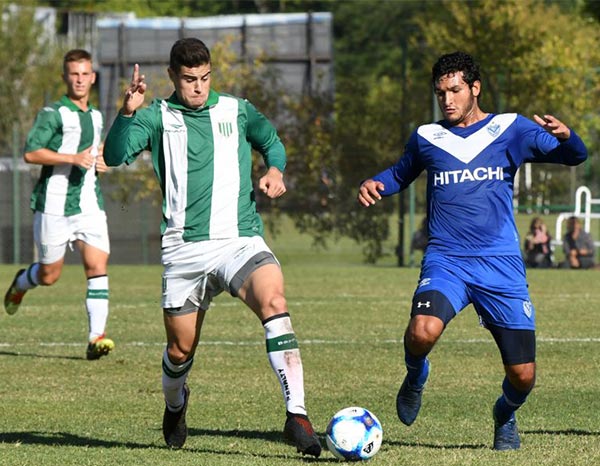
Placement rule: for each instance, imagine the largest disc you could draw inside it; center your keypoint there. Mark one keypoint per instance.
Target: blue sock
(510, 400)
(417, 368)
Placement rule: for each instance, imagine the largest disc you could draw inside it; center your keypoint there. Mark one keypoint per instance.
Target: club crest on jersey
(528, 308)
(225, 128)
(493, 129)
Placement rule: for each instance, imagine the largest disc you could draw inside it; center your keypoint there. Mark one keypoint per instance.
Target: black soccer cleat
(299, 432)
(408, 402)
(174, 427)
(506, 436)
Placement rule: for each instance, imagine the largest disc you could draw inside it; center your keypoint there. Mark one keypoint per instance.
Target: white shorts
(200, 270)
(53, 233)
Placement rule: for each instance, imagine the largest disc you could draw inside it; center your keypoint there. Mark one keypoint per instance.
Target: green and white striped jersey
(66, 189)
(203, 161)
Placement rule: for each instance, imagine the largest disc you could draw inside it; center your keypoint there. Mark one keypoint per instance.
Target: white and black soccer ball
(354, 434)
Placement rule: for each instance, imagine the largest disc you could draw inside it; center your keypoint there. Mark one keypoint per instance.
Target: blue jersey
(470, 177)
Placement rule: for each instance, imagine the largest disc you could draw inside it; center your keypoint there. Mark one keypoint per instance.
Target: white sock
(96, 303)
(28, 279)
(173, 378)
(284, 356)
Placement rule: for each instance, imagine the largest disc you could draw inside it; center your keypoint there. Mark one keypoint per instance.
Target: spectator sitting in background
(538, 253)
(578, 246)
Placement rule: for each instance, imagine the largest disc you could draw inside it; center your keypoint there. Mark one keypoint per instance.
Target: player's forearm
(47, 157)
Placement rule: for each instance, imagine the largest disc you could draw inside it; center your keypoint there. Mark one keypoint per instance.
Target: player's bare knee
(178, 354)
(48, 279)
(522, 384)
(419, 343)
(425, 330)
(276, 305)
(418, 340)
(522, 376)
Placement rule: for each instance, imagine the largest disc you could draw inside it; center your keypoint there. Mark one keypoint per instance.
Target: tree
(188, 8)
(384, 51)
(384, 55)
(30, 70)
(376, 74)
(528, 67)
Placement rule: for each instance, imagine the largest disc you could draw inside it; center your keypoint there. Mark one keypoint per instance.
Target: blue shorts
(495, 285)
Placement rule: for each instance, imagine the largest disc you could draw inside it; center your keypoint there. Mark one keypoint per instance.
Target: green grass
(59, 409)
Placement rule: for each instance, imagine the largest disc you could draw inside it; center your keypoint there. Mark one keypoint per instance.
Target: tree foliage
(536, 57)
(30, 70)
(384, 53)
(189, 8)
(527, 66)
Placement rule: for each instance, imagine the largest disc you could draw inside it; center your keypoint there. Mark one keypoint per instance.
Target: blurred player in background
(578, 246)
(473, 254)
(212, 241)
(538, 245)
(67, 203)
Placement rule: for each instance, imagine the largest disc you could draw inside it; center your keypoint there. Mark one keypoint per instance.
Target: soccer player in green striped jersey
(201, 144)
(67, 203)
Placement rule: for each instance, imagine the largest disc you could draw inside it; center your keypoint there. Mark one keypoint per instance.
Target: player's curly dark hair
(453, 63)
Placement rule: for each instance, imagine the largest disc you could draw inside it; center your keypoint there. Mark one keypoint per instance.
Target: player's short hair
(76, 55)
(190, 52)
(453, 63)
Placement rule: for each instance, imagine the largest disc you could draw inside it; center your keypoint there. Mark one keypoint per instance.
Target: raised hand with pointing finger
(134, 95)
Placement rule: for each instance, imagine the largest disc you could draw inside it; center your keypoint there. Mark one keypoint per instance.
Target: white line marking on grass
(302, 342)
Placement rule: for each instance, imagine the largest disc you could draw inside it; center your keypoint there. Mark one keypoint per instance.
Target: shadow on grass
(576, 432)
(438, 446)
(267, 435)
(44, 356)
(276, 436)
(59, 439)
(64, 439)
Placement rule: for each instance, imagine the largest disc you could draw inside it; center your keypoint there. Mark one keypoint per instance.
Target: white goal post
(583, 210)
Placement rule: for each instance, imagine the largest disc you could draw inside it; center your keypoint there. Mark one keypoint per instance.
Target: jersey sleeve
(264, 138)
(539, 146)
(128, 137)
(45, 126)
(400, 175)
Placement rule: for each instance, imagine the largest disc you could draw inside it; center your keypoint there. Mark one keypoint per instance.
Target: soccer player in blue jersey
(201, 143)
(472, 257)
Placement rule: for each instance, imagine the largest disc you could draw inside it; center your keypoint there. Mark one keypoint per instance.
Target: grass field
(59, 409)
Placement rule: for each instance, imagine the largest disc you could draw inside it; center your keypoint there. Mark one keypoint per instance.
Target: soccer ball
(354, 434)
